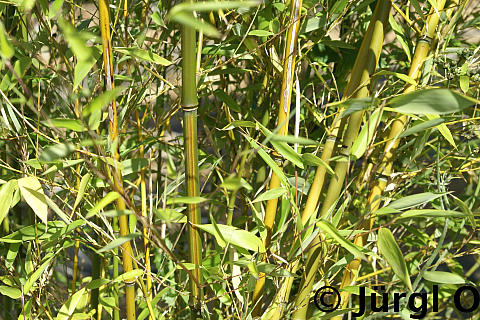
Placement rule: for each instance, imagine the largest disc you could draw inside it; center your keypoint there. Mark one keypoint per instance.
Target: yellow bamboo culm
(127, 253)
(385, 168)
(289, 62)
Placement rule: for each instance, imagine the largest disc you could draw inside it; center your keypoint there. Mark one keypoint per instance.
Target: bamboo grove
(232, 159)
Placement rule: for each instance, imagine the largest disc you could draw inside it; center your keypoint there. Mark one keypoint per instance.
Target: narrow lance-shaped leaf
(32, 192)
(388, 247)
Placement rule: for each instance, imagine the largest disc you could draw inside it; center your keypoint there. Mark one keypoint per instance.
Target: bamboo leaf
(431, 101)
(225, 98)
(442, 127)
(187, 200)
(283, 148)
(311, 159)
(81, 190)
(105, 201)
(32, 192)
(6, 48)
(268, 160)
(432, 213)
(6, 196)
(12, 293)
(443, 277)
(68, 309)
(145, 55)
(235, 236)
(118, 242)
(260, 33)
(57, 151)
(70, 124)
(388, 247)
(34, 277)
(414, 200)
(365, 136)
(346, 244)
(424, 125)
(171, 215)
(270, 194)
(101, 101)
(189, 20)
(135, 273)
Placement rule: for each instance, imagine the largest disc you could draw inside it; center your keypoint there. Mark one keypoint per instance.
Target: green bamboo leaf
(216, 232)
(414, 200)
(400, 35)
(70, 124)
(432, 213)
(81, 190)
(133, 165)
(38, 272)
(268, 160)
(102, 101)
(32, 192)
(171, 215)
(55, 8)
(57, 151)
(270, 194)
(260, 33)
(467, 211)
(328, 228)
(144, 55)
(424, 125)
(292, 139)
(12, 293)
(239, 123)
(187, 200)
(135, 273)
(118, 242)
(211, 6)
(365, 136)
(235, 236)
(82, 69)
(234, 183)
(442, 127)
(431, 101)
(68, 309)
(388, 247)
(400, 76)
(282, 147)
(6, 197)
(109, 198)
(229, 101)
(6, 48)
(97, 283)
(443, 277)
(189, 20)
(313, 160)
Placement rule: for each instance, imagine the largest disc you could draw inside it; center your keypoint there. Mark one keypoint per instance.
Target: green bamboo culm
(127, 252)
(190, 105)
(357, 87)
(385, 168)
(289, 62)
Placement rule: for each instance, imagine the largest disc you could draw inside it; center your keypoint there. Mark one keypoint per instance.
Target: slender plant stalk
(190, 105)
(364, 67)
(127, 252)
(143, 194)
(283, 116)
(385, 168)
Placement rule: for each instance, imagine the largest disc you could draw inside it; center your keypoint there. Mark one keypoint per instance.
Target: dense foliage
(61, 199)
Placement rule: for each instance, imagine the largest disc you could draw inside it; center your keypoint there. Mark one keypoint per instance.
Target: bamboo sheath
(385, 168)
(283, 117)
(127, 252)
(189, 105)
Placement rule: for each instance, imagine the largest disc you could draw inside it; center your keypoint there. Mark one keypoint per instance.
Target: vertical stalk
(143, 195)
(190, 105)
(289, 61)
(385, 168)
(363, 68)
(127, 252)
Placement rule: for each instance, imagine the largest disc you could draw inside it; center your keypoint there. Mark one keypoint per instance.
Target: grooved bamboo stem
(364, 67)
(190, 104)
(127, 252)
(283, 116)
(385, 168)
